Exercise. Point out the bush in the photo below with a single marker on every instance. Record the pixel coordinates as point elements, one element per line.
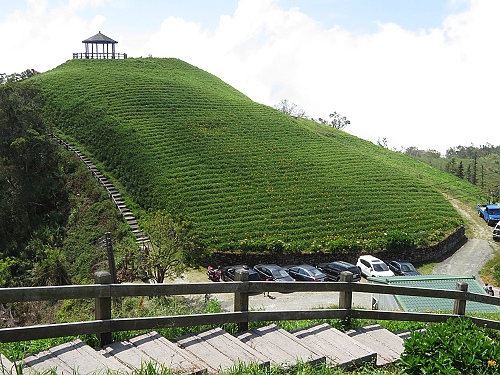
<point>397,240</point>
<point>455,347</point>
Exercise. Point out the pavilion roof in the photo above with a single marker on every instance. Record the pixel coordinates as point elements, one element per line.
<point>100,39</point>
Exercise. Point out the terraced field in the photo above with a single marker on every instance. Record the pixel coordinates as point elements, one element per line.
<point>248,176</point>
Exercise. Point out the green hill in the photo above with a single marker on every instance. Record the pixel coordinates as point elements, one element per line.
<point>247,175</point>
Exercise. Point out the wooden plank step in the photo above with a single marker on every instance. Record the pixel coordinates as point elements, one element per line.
<point>231,346</point>
<point>406,333</point>
<point>283,348</point>
<point>127,354</point>
<point>388,346</point>
<point>168,354</point>
<point>70,358</point>
<point>220,350</point>
<point>46,362</point>
<point>403,334</point>
<point>339,349</point>
<point>206,353</point>
<point>6,366</point>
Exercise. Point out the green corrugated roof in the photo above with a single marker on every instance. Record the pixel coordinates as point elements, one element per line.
<point>446,282</point>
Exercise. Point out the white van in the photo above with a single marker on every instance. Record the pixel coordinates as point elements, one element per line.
<point>496,232</point>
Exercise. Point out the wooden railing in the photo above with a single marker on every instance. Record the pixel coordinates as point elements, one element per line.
<point>104,292</point>
<point>99,55</point>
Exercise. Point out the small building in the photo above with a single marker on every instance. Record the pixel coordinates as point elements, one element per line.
<point>389,302</point>
<point>99,46</point>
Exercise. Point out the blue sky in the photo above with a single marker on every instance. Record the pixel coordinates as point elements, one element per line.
<point>420,73</point>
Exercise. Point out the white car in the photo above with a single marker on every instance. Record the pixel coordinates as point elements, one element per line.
<point>372,266</point>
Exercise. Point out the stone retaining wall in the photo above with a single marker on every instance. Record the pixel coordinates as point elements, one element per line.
<point>434,253</point>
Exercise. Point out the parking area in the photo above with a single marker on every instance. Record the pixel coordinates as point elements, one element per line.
<point>295,301</point>
<point>280,301</point>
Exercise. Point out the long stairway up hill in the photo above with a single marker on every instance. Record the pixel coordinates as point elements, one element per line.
<point>113,193</point>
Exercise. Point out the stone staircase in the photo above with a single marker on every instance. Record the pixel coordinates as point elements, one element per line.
<point>114,194</point>
<point>210,351</point>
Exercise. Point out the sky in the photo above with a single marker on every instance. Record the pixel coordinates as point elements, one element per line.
<point>410,73</point>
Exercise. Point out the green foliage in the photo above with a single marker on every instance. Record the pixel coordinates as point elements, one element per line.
<point>52,269</point>
<point>33,198</point>
<point>51,209</point>
<point>248,176</point>
<point>18,350</point>
<point>397,240</point>
<point>171,243</point>
<point>5,265</point>
<point>308,369</point>
<point>132,307</point>
<point>455,347</point>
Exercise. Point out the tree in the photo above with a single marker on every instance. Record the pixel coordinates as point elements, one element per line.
<point>290,108</point>
<point>32,187</point>
<point>336,121</point>
<point>14,77</point>
<point>382,142</point>
<point>460,170</point>
<point>171,243</point>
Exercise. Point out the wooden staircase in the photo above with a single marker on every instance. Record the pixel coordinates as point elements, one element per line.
<point>213,350</point>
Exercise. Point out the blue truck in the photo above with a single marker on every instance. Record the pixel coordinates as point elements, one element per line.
<point>489,212</point>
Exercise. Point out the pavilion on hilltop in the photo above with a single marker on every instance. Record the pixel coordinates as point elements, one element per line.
<point>99,46</point>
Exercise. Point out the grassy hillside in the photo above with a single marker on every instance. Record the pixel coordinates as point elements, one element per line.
<point>248,176</point>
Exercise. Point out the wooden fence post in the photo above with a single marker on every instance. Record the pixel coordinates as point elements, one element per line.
<point>111,257</point>
<point>459,305</point>
<point>345,296</point>
<point>241,299</point>
<point>103,306</point>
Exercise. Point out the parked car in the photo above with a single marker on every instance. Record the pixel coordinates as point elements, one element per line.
<point>228,273</point>
<point>272,272</point>
<point>305,272</point>
<point>403,268</point>
<point>372,266</point>
<point>333,270</point>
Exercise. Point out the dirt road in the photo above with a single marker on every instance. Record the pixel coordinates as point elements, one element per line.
<point>470,258</point>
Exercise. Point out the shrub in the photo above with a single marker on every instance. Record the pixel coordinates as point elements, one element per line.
<point>397,240</point>
<point>455,347</point>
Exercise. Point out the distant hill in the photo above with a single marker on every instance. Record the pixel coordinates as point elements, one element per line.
<point>248,176</point>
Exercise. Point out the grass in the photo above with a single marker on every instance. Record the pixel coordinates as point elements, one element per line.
<point>250,177</point>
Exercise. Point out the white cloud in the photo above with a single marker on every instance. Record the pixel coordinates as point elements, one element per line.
<point>434,88</point>
<point>431,89</point>
<point>41,37</point>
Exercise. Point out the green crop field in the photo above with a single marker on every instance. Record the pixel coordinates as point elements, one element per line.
<point>247,175</point>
